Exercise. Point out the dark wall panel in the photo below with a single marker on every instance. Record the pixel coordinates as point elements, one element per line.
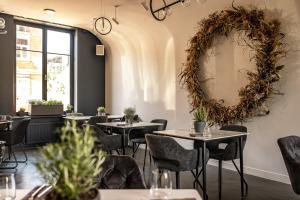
<point>7,66</point>
<point>89,73</point>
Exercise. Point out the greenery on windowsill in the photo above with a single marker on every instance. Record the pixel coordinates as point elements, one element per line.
<point>45,103</point>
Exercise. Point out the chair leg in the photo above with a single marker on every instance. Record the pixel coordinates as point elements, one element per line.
<point>133,149</point>
<point>237,169</point>
<point>11,152</point>
<point>177,180</point>
<point>145,157</point>
<point>220,179</point>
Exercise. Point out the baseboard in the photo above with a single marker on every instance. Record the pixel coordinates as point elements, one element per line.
<point>255,172</point>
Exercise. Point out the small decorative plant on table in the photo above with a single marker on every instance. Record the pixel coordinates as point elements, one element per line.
<point>101,111</point>
<point>200,116</point>
<point>71,166</point>
<point>129,114</point>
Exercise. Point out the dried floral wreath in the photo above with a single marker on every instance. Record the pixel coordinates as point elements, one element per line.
<point>264,37</point>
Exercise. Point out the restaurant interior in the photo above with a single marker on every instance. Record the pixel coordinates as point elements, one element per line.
<point>149,99</point>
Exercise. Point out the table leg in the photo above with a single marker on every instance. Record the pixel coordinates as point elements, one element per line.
<point>204,170</point>
<point>241,165</point>
<point>124,141</point>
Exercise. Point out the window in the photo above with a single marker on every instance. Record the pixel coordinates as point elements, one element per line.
<point>43,64</point>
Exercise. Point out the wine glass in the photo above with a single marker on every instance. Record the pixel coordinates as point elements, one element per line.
<point>161,186</point>
<point>7,187</point>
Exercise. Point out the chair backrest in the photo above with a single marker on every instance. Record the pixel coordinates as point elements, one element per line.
<point>97,131</point>
<point>163,148</point>
<point>17,135</point>
<point>161,121</point>
<point>97,119</point>
<point>232,147</point>
<point>120,172</point>
<point>290,150</point>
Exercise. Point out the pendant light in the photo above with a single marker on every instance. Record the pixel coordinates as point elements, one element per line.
<point>103,25</point>
<point>115,18</point>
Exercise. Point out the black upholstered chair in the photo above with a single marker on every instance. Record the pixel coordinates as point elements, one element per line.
<point>97,119</point>
<point>229,153</point>
<point>106,142</point>
<point>14,137</point>
<point>168,154</point>
<point>290,150</point>
<point>120,172</point>
<point>137,137</point>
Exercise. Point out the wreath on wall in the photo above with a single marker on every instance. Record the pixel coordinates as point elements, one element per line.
<point>264,37</point>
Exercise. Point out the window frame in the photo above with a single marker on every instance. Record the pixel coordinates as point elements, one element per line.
<point>44,52</point>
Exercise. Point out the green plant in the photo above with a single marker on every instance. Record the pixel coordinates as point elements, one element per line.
<point>69,107</point>
<point>71,165</point>
<point>46,103</point>
<point>22,109</point>
<point>101,109</point>
<point>200,114</point>
<point>130,112</point>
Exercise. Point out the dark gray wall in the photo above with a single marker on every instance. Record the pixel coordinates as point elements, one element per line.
<point>7,66</point>
<point>89,73</point>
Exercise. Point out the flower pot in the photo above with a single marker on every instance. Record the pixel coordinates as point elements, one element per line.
<point>45,109</point>
<point>199,126</point>
<point>93,194</point>
<point>129,119</point>
<point>101,114</point>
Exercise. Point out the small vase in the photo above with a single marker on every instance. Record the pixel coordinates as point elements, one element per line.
<point>129,119</point>
<point>199,126</point>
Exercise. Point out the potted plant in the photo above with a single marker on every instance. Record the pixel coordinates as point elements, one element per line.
<point>72,165</point>
<point>200,117</point>
<point>101,111</point>
<point>42,107</point>
<point>129,114</point>
<point>69,108</point>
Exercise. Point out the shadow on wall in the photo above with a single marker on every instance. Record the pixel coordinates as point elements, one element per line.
<point>141,69</point>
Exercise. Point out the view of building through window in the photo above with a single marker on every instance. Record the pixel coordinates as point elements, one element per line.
<point>30,75</point>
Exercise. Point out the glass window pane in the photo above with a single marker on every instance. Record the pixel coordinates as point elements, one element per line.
<point>58,42</point>
<point>28,78</point>
<point>29,38</point>
<point>58,78</point>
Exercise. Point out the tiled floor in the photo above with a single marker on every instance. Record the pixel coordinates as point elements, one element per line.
<point>259,189</point>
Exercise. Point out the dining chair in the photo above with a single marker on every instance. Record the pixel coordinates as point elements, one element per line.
<point>106,142</point>
<point>120,172</point>
<point>137,137</point>
<point>14,137</point>
<point>97,119</point>
<point>169,155</point>
<point>290,150</point>
<point>229,153</point>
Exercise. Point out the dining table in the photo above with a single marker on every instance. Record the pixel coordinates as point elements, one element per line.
<point>127,127</point>
<point>87,117</point>
<point>132,194</point>
<point>203,139</point>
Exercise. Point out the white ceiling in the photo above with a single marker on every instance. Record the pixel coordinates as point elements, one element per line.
<point>79,13</point>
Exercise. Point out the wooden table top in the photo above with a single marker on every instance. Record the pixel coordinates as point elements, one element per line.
<point>212,135</point>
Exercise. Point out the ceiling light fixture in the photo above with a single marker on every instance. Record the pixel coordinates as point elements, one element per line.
<point>49,11</point>
<point>164,10</point>
<point>115,18</point>
<point>2,26</point>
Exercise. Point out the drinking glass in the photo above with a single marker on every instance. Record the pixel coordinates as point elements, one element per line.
<point>161,186</point>
<point>7,187</point>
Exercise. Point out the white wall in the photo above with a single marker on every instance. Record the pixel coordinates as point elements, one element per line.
<point>146,56</point>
